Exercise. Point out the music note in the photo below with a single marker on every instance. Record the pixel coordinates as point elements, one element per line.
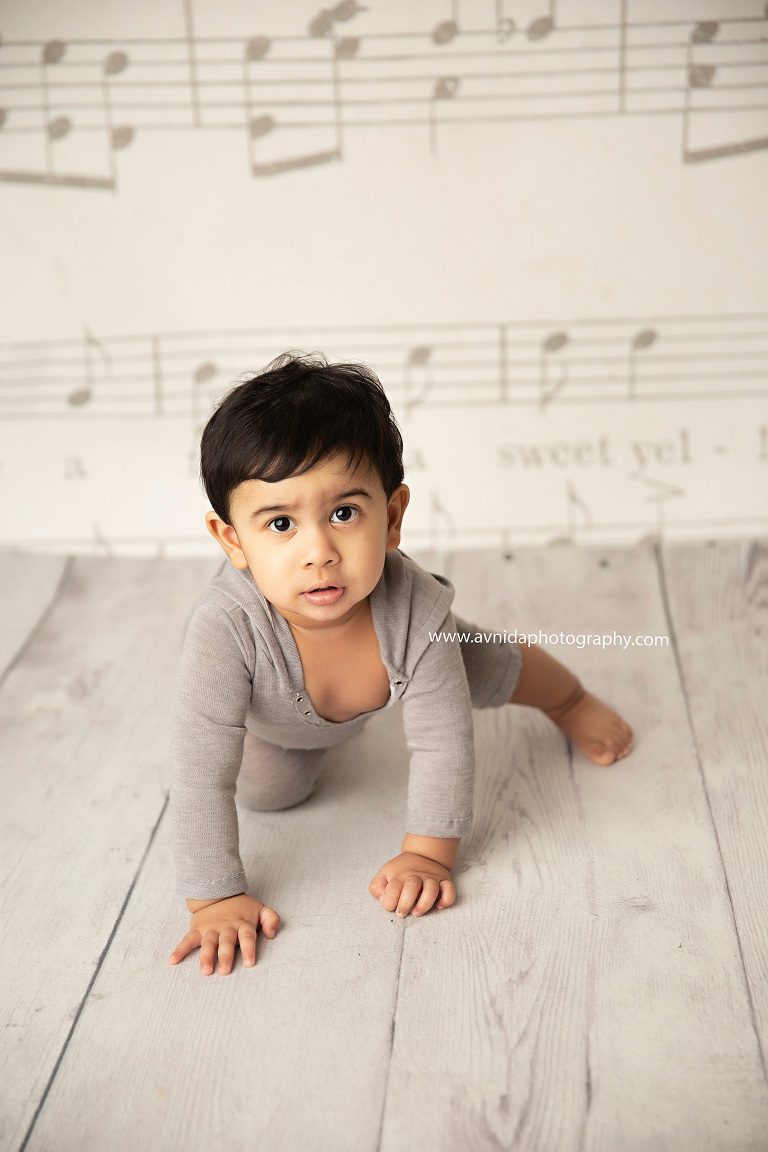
<point>505,25</point>
<point>347,47</point>
<point>417,384</point>
<point>322,24</point>
<point>701,76</point>
<point>540,28</point>
<point>100,541</point>
<point>576,507</point>
<point>203,374</point>
<point>663,491</point>
<point>265,124</point>
<point>550,346</point>
<point>640,341</point>
<point>442,531</point>
<point>445,32</point>
<point>445,88</point>
<point>84,395</point>
<point>117,136</point>
<point>58,128</point>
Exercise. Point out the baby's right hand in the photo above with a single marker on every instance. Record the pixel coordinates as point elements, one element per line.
<point>220,926</point>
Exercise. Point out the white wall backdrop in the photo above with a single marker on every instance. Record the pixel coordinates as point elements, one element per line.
<point>543,222</point>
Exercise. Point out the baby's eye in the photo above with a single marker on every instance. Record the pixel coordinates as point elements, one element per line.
<point>344,514</point>
<point>282,524</point>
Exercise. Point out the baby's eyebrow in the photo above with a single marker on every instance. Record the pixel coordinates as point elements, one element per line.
<point>293,507</point>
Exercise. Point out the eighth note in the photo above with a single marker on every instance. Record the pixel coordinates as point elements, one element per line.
<point>552,344</point>
<point>82,396</point>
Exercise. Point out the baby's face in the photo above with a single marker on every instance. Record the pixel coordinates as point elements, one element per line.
<point>315,544</point>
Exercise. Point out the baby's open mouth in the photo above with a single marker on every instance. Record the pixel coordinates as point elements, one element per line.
<point>324,594</point>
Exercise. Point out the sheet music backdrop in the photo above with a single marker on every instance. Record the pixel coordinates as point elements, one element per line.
<point>543,223</point>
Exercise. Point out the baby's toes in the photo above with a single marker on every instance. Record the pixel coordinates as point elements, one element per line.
<point>598,752</point>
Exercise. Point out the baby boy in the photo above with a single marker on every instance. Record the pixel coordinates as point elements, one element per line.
<point>314,622</point>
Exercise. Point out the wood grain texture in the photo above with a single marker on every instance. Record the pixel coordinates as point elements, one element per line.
<point>587,991</point>
<point>287,1055</point>
<point>718,598</point>
<point>83,771</point>
<point>28,586</point>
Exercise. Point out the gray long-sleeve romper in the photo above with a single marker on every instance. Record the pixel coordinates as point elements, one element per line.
<point>242,718</point>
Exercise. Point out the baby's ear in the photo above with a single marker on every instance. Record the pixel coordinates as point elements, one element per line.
<point>398,502</point>
<point>226,536</point>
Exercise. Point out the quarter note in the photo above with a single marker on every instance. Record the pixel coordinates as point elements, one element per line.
<point>418,376</point>
<point>445,88</point>
<point>203,374</point>
<point>445,32</point>
<point>442,532</point>
<point>643,339</point>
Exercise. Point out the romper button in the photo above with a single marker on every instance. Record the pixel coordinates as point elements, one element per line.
<point>398,681</point>
<point>307,713</point>
<point>299,699</point>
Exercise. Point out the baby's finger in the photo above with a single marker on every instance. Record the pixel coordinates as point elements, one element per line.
<point>429,893</point>
<point>408,897</point>
<point>392,895</point>
<point>270,921</point>
<point>208,951</point>
<point>247,936</point>
<point>377,885</point>
<point>447,894</point>
<point>227,941</point>
<point>188,944</point>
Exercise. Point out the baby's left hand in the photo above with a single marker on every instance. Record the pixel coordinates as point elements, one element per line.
<point>398,884</point>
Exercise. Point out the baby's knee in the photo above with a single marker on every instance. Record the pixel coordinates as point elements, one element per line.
<point>258,800</point>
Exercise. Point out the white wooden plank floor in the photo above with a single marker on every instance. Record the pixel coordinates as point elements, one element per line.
<point>600,984</point>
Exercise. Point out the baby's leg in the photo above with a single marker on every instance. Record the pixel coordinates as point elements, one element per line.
<point>545,683</point>
<point>499,672</point>
<point>272,778</point>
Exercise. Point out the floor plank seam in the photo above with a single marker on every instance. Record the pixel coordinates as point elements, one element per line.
<point>94,977</point>
<point>392,1027</point>
<point>44,616</point>
<point>681,676</point>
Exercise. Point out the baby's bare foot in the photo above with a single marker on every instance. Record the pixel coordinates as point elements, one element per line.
<point>596,730</point>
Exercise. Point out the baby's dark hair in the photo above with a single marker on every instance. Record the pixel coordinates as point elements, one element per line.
<point>294,413</point>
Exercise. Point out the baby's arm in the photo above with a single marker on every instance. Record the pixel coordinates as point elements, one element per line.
<point>419,877</point>
<point>213,693</point>
<point>437,719</point>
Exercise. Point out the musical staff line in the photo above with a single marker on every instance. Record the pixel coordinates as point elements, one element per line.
<point>536,364</point>
<point>295,98</point>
